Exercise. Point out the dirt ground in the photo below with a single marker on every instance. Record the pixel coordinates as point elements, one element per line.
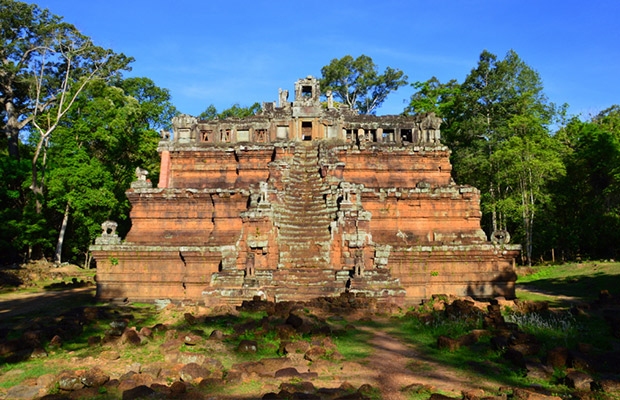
<point>391,366</point>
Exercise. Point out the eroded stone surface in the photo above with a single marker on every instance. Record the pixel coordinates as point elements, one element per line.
<point>304,201</point>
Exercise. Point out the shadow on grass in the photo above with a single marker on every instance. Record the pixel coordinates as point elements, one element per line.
<point>582,287</point>
<point>39,304</point>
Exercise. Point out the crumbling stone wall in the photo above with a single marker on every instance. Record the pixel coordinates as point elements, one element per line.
<point>302,201</point>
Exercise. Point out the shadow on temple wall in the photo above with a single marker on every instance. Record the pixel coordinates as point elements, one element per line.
<point>502,285</point>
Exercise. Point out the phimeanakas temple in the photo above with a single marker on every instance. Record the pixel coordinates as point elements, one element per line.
<point>302,200</point>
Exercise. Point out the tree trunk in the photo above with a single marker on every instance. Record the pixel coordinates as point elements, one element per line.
<point>87,260</point>
<point>61,235</point>
<point>13,145</point>
<point>12,127</point>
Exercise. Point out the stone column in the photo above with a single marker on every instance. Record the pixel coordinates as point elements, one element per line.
<point>164,172</point>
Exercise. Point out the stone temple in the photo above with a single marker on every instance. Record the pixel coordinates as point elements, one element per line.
<point>304,199</point>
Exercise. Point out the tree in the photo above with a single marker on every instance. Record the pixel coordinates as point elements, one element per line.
<point>358,84</point>
<point>109,131</point>
<point>529,160</point>
<point>587,199</point>
<point>44,65</point>
<point>433,96</point>
<point>497,124</point>
<point>235,111</point>
<point>492,95</point>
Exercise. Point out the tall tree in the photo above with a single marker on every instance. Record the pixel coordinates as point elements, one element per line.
<point>358,84</point>
<point>95,151</point>
<point>492,95</point>
<point>497,124</point>
<point>44,65</point>
<point>587,199</point>
<point>529,160</point>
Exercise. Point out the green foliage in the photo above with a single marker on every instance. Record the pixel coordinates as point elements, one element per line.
<point>358,84</point>
<point>587,199</point>
<point>433,96</point>
<point>497,123</point>
<point>235,111</point>
<point>41,61</point>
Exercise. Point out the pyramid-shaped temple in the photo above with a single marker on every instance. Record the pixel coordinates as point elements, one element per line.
<point>304,199</point>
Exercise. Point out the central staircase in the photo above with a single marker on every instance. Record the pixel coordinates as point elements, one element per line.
<point>303,216</point>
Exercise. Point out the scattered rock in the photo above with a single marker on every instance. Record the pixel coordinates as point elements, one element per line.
<point>527,349</point>
<point>439,396</point>
<point>69,381</point>
<point>234,376</point>
<point>38,352</point>
<point>190,319</point>
<point>525,394</point>
<point>55,342</point>
<point>578,380</point>
<point>537,370</point>
<point>138,392</point>
<point>288,372</point>
<point>445,342</point>
<point>84,393</point>
<point>159,328</point>
<point>177,388</point>
<point>94,341</point>
<point>131,337</point>
<point>191,339</point>
<point>192,372</point>
<point>301,387</point>
<point>247,346</point>
<point>315,353</point>
<point>557,357</point>
<point>23,392</point>
<point>515,357</point>
<point>94,377</point>
<point>110,355</point>
<point>610,385</point>
<point>146,332</point>
<point>216,335</point>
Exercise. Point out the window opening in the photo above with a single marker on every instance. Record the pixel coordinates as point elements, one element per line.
<point>261,135</point>
<point>406,135</point>
<point>206,136</point>
<point>306,130</point>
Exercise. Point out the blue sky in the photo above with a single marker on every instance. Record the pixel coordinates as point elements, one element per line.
<point>228,52</point>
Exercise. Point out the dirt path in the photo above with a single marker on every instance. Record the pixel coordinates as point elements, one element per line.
<point>398,365</point>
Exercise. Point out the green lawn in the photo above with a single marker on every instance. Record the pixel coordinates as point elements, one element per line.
<point>583,281</point>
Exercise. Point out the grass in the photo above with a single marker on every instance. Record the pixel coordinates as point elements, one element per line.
<point>534,296</point>
<point>353,344</point>
<point>561,328</point>
<point>583,281</point>
<point>17,373</point>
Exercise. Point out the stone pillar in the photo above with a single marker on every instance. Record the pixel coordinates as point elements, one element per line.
<point>164,172</point>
